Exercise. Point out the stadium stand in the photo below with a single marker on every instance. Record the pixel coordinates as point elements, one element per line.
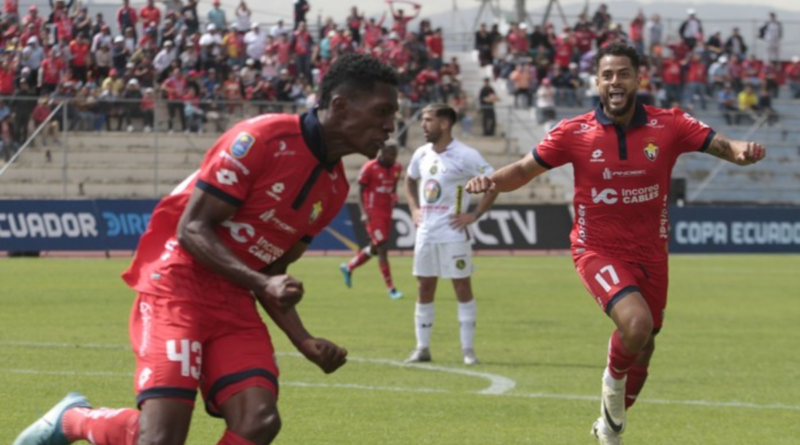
<point>175,80</point>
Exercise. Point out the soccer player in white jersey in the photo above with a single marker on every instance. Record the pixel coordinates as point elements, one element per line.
<point>435,182</point>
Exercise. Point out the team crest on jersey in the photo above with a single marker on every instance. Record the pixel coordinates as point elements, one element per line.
<point>242,145</point>
<point>316,210</point>
<point>433,191</point>
<point>651,151</point>
<point>434,169</point>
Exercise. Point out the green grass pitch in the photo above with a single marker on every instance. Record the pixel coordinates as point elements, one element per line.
<point>726,369</point>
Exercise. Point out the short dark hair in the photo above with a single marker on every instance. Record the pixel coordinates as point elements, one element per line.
<point>618,49</point>
<point>357,71</point>
<point>442,110</point>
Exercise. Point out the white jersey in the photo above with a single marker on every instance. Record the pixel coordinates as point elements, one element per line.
<point>441,178</point>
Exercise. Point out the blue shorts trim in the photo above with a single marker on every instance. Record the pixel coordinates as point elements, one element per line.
<point>230,379</point>
<point>618,296</point>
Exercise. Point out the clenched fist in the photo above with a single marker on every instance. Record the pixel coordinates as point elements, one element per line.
<point>325,354</point>
<point>283,290</point>
<point>480,184</point>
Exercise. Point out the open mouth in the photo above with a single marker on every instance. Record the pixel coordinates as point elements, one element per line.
<point>616,97</point>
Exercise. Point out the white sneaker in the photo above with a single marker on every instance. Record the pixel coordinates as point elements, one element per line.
<point>469,357</point>
<point>603,435</point>
<point>612,403</point>
<point>419,355</point>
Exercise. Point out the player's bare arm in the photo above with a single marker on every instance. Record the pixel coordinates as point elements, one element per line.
<point>196,234</point>
<point>463,220</point>
<point>738,152</point>
<point>412,199</point>
<point>508,178</point>
<point>325,354</point>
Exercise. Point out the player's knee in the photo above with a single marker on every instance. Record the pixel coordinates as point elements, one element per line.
<point>260,425</point>
<point>637,333</point>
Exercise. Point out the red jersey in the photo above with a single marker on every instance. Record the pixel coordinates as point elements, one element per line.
<point>696,72</point>
<point>622,177</point>
<point>379,186</point>
<point>270,167</point>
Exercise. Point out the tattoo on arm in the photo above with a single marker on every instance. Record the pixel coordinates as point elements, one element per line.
<point>721,147</point>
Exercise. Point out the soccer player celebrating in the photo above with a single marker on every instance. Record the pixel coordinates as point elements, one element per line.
<point>435,182</point>
<point>622,154</point>
<point>220,242</point>
<point>378,195</point>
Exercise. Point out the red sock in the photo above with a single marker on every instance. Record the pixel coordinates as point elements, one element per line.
<point>386,271</point>
<point>102,426</point>
<point>619,359</point>
<point>633,386</point>
<point>361,258</point>
<point>231,438</point>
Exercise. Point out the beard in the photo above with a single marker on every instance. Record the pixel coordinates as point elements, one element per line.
<point>433,137</point>
<point>621,111</point>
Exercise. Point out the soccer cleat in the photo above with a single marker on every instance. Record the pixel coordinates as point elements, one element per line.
<point>419,355</point>
<point>469,357</point>
<point>395,294</point>
<point>47,430</point>
<point>612,403</point>
<point>348,275</point>
<point>603,435</point>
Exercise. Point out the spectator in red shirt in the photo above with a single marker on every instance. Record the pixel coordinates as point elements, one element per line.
<point>373,32</point>
<point>564,48</point>
<point>126,17</point>
<point>150,14</point>
<point>636,32</point>
<point>696,81</point>
<point>174,87</point>
<point>354,21</point>
<point>792,73</point>
<point>50,72</point>
<point>283,49</point>
<point>435,46</point>
<point>7,74</point>
<point>671,75</point>
<point>79,49</point>
<point>302,45</point>
<point>518,41</point>
<point>33,18</point>
<point>401,20</point>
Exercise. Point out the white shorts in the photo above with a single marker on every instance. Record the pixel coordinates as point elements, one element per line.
<point>443,260</point>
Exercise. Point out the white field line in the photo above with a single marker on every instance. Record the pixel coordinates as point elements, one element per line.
<point>499,385</point>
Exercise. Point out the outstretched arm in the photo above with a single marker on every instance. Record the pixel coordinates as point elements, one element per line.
<point>508,178</point>
<point>737,152</point>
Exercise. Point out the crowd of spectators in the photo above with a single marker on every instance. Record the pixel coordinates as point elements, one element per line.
<point>549,68</point>
<point>114,73</point>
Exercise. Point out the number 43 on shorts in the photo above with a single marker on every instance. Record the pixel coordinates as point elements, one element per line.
<point>188,354</point>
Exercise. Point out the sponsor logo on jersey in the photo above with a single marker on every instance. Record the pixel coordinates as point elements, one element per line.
<point>275,191</point>
<point>629,196</point>
<point>236,163</point>
<point>609,174</point>
<point>432,191</point>
<point>236,230</point>
<point>316,210</point>
<point>226,177</point>
<point>597,156</point>
<point>269,217</point>
<point>265,251</point>
<point>585,128</point>
<point>654,124</point>
<point>282,151</point>
<point>241,146</point>
<point>651,151</point>
<point>608,196</point>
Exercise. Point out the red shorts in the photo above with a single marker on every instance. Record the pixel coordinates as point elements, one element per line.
<point>608,280</point>
<point>181,345</point>
<point>379,227</point>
